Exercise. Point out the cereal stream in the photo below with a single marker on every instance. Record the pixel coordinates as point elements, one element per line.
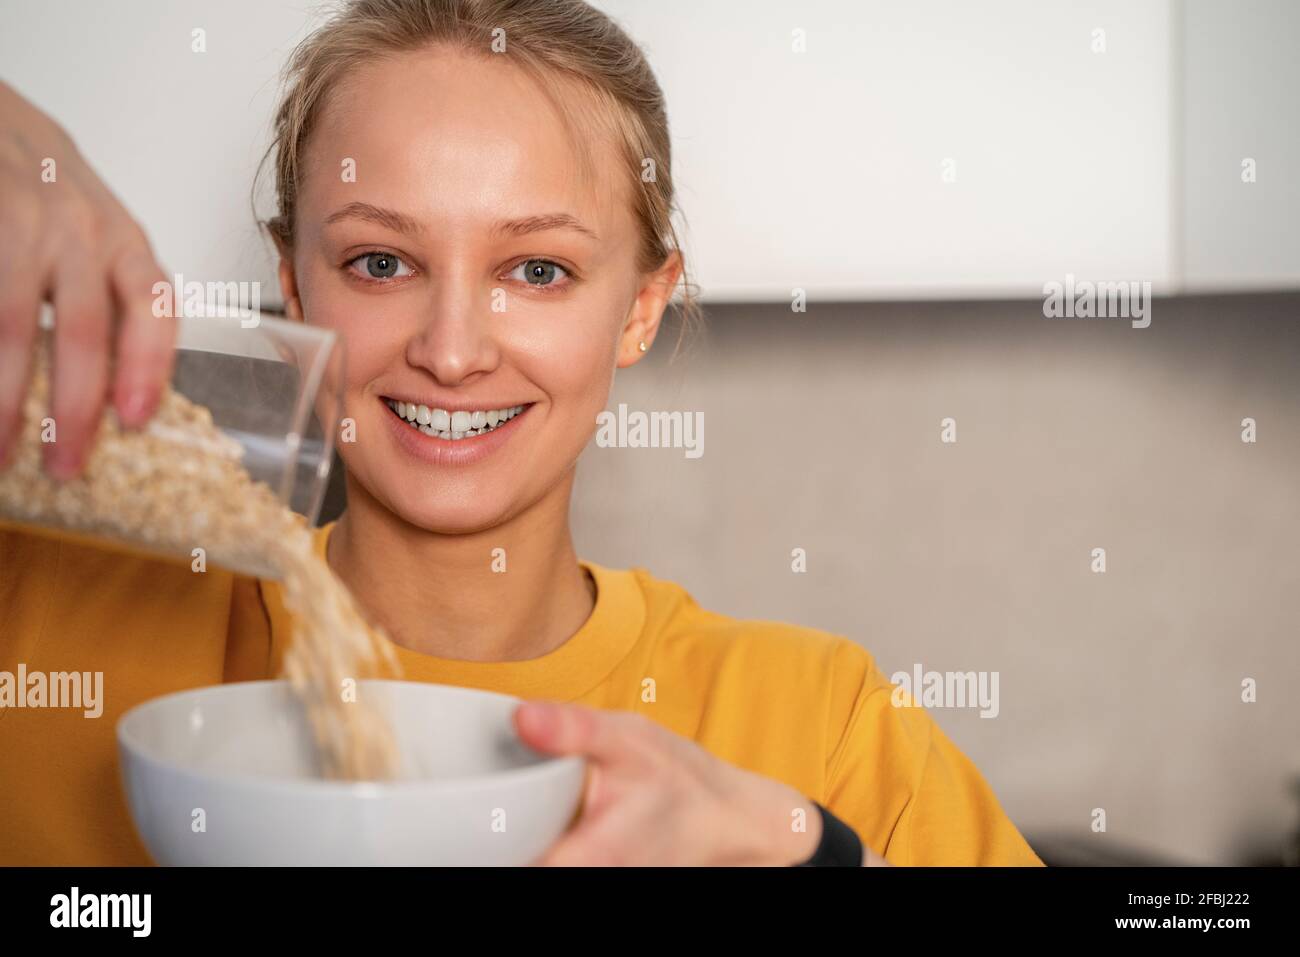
<point>178,484</point>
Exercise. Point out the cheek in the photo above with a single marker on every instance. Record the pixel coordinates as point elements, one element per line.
<point>571,359</point>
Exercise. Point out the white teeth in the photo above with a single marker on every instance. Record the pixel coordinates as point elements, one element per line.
<point>452,425</point>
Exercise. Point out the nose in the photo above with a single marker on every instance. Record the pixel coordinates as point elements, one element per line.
<point>455,341</point>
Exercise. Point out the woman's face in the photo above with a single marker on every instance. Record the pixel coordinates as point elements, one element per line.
<point>443,229</point>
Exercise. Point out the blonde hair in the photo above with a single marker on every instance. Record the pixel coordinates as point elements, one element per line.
<point>554,41</point>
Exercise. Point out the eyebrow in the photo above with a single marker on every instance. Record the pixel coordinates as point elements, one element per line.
<point>388,218</point>
<point>537,224</point>
<point>401,223</point>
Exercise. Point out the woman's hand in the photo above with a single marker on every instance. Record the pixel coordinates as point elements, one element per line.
<point>65,238</point>
<point>655,798</point>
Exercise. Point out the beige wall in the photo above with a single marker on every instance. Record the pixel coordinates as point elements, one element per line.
<point>1118,690</point>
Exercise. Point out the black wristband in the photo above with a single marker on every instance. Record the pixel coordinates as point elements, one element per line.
<point>840,845</point>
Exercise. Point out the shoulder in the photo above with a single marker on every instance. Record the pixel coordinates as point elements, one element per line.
<point>830,663</point>
<point>672,611</point>
<point>55,567</point>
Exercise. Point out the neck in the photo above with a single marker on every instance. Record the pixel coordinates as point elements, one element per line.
<point>440,595</point>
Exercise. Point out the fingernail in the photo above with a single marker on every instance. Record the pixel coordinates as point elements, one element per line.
<point>541,716</point>
<point>134,409</point>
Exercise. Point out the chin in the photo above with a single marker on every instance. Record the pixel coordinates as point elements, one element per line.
<point>451,515</point>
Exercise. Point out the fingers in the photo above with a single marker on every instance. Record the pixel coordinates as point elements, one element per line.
<point>598,841</point>
<point>650,795</point>
<point>20,301</point>
<point>559,729</point>
<point>552,728</point>
<point>64,237</point>
<point>579,848</point>
<point>82,320</point>
<point>145,341</point>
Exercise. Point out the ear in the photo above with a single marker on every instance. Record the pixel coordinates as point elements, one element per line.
<point>648,310</point>
<point>288,283</point>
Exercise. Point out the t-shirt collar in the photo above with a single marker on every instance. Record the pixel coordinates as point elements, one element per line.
<point>566,673</point>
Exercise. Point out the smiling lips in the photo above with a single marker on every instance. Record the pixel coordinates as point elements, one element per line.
<point>442,424</point>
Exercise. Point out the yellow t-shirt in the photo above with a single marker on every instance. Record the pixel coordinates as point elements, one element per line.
<point>796,704</point>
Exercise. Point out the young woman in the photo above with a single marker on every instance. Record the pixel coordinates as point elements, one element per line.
<point>498,247</point>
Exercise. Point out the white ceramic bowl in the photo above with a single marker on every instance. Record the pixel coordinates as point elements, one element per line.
<point>239,760</point>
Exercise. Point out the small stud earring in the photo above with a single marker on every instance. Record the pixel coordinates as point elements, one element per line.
<point>642,346</point>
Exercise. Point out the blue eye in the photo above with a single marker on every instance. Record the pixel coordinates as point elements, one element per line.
<point>381,266</point>
<point>539,272</point>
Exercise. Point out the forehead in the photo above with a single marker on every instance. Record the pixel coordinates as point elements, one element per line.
<point>448,137</point>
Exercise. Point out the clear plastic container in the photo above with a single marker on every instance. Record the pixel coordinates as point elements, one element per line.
<point>276,389</point>
<point>273,389</point>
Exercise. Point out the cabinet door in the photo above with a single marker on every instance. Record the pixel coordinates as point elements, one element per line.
<point>1241,145</point>
<point>943,148</point>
